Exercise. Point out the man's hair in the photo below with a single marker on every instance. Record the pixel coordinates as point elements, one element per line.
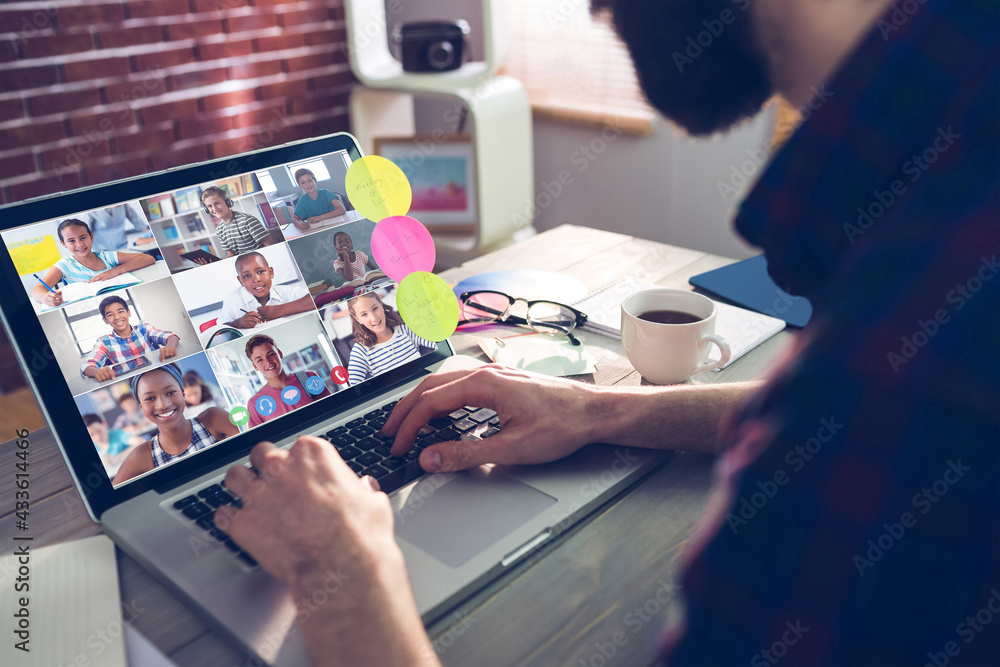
<point>90,419</point>
<point>214,190</point>
<point>110,300</point>
<point>71,222</point>
<point>702,88</point>
<point>363,334</point>
<point>259,339</point>
<point>345,234</point>
<point>248,255</point>
<point>303,172</point>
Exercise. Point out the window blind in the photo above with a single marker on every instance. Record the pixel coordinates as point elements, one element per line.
<point>574,67</point>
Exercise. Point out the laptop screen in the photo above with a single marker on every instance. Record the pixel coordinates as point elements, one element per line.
<point>180,318</point>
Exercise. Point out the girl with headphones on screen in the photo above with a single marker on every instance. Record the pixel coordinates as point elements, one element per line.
<point>83,265</point>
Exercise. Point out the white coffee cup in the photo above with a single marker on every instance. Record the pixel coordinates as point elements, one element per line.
<point>670,353</point>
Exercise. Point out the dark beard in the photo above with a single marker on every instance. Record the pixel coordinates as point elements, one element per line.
<point>697,60</point>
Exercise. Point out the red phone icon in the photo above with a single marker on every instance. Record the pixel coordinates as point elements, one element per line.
<point>339,375</point>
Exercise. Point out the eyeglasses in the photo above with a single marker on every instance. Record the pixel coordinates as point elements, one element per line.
<point>547,317</point>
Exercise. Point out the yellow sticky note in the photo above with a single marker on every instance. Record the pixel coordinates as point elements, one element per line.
<point>427,305</point>
<point>378,188</point>
<point>34,255</point>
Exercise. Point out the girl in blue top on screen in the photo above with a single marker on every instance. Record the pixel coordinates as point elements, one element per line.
<point>317,204</point>
<point>381,340</point>
<point>84,265</point>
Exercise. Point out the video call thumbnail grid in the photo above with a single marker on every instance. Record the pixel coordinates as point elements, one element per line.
<point>162,329</point>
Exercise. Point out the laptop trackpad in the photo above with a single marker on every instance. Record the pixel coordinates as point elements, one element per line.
<point>475,509</point>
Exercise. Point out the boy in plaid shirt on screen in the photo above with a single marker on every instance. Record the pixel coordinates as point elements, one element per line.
<point>125,342</point>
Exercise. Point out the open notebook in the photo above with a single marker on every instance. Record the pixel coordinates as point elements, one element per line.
<point>80,291</point>
<point>743,329</point>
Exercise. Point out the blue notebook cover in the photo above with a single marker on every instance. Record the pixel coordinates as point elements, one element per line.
<point>747,284</point>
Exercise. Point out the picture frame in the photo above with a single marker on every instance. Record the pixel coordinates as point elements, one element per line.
<point>442,173</point>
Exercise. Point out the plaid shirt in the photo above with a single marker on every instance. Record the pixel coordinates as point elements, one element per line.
<point>201,438</point>
<point>857,516</point>
<point>113,349</point>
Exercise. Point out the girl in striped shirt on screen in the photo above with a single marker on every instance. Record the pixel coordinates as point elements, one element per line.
<point>381,340</point>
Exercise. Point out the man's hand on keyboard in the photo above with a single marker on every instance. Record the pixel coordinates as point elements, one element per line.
<point>313,524</point>
<point>542,418</point>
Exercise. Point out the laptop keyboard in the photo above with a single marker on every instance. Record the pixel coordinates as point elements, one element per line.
<point>365,450</point>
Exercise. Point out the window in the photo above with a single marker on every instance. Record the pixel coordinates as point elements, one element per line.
<point>266,182</point>
<point>574,66</point>
<point>87,324</point>
<point>316,166</point>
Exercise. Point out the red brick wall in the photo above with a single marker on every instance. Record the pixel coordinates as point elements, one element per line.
<point>96,90</point>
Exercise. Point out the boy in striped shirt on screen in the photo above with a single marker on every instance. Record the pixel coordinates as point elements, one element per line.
<point>381,340</point>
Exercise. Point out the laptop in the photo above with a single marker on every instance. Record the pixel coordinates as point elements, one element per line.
<point>458,531</point>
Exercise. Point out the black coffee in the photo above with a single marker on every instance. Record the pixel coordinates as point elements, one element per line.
<point>669,317</point>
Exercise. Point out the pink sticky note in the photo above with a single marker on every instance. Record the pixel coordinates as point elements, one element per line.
<point>402,245</point>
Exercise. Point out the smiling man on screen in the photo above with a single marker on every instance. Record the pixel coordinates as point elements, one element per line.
<point>875,444</point>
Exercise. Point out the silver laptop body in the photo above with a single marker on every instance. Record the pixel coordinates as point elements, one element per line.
<point>457,531</point>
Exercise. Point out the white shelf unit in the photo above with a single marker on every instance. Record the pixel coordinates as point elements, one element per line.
<point>499,121</point>
<point>375,66</point>
<point>236,378</point>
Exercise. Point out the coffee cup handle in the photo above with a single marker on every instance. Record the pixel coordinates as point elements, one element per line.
<point>723,348</point>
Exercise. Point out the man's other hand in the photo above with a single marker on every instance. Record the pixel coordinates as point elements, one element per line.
<point>542,418</point>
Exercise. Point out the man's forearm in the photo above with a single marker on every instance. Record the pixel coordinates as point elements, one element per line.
<point>680,417</point>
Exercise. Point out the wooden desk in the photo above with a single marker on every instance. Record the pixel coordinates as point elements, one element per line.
<point>607,583</point>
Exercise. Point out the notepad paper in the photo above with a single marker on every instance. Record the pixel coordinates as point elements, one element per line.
<point>70,601</point>
<point>79,291</point>
<point>743,329</point>
<point>539,353</point>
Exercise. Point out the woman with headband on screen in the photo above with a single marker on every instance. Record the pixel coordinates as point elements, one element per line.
<point>160,393</point>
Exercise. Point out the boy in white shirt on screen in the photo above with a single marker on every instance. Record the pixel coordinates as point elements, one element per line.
<point>259,300</point>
